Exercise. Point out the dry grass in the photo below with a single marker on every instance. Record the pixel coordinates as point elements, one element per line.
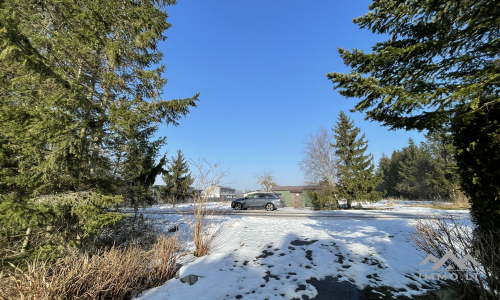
<point>460,199</point>
<point>451,205</point>
<point>438,236</point>
<point>205,220</point>
<point>111,274</point>
<point>442,205</point>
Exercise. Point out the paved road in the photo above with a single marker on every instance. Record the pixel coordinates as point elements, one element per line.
<point>342,214</point>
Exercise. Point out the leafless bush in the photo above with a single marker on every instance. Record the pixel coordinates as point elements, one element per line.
<point>437,236</point>
<point>111,274</point>
<point>205,220</point>
<point>459,198</point>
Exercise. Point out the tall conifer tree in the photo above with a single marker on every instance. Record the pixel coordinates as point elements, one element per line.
<point>177,180</point>
<point>414,167</point>
<point>438,66</point>
<point>80,102</point>
<point>383,170</point>
<point>357,179</point>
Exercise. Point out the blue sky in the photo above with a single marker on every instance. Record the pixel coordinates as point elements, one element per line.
<point>260,68</point>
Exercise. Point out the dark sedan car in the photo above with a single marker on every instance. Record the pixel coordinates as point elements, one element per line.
<point>269,201</point>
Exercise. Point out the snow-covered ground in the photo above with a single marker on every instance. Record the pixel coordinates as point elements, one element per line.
<point>283,258</point>
<point>185,207</point>
<point>403,206</point>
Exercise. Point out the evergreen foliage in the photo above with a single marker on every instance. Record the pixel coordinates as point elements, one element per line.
<point>356,177</point>
<point>325,198</point>
<point>414,168</point>
<point>322,199</point>
<point>177,180</point>
<point>444,178</point>
<point>427,171</point>
<point>387,171</point>
<point>478,158</point>
<point>80,102</point>
<point>438,67</point>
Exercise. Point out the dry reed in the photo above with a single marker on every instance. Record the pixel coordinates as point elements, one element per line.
<point>207,226</point>
<point>111,274</point>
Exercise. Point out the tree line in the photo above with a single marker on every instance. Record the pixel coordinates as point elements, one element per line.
<point>426,171</point>
<point>338,161</point>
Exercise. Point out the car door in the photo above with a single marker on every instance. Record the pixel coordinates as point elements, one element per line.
<point>261,200</point>
<point>250,201</point>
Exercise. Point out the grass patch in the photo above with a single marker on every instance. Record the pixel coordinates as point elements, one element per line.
<point>450,206</point>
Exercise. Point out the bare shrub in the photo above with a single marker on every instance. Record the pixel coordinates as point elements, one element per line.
<point>459,198</point>
<point>136,229</point>
<point>208,227</point>
<point>111,274</point>
<point>437,236</point>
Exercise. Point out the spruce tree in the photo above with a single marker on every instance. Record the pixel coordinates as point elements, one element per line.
<point>438,66</point>
<point>80,102</point>
<point>444,179</point>
<point>356,177</point>
<point>414,169</point>
<point>388,170</point>
<point>383,169</point>
<point>425,171</point>
<point>478,159</point>
<point>177,180</point>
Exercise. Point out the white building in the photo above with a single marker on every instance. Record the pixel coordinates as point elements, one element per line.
<point>220,192</point>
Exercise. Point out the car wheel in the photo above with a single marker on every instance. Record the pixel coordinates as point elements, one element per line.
<point>238,206</point>
<point>269,207</point>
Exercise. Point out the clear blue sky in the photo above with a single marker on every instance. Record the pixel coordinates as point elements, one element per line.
<point>260,68</point>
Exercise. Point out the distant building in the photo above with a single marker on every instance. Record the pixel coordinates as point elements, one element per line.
<point>295,196</point>
<point>220,192</point>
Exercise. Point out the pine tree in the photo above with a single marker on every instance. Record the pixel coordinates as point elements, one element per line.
<point>177,179</point>
<point>438,66</point>
<point>425,171</point>
<point>80,103</point>
<point>478,159</point>
<point>383,169</point>
<point>389,171</point>
<point>414,169</point>
<point>357,180</point>
<point>444,179</point>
